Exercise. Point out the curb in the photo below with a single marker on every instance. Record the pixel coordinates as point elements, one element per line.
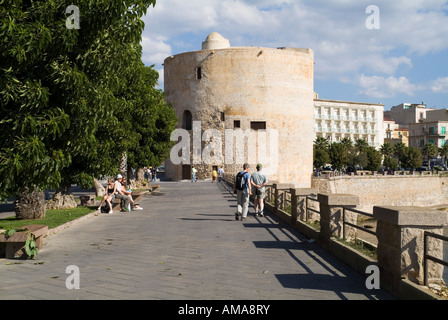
<point>70,223</point>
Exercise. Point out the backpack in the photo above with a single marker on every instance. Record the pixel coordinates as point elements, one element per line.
<point>240,181</point>
<point>105,208</point>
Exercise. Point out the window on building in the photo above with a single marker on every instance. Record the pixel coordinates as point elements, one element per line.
<point>223,116</point>
<point>431,130</point>
<point>258,125</point>
<point>236,123</point>
<point>422,115</point>
<point>443,130</point>
<point>443,142</point>
<point>187,121</point>
<point>431,141</point>
<point>199,73</point>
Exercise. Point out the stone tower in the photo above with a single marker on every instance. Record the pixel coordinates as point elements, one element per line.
<point>242,104</point>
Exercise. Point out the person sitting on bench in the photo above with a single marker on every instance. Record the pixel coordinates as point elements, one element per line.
<point>128,192</point>
<point>110,195</point>
<point>119,194</point>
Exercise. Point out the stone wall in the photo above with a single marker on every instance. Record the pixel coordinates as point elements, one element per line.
<point>426,191</point>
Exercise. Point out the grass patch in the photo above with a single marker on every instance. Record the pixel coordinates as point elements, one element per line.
<point>313,224</point>
<point>361,246</point>
<point>53,218</point>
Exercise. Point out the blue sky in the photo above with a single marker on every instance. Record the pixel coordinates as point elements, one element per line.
<point>403,60</point>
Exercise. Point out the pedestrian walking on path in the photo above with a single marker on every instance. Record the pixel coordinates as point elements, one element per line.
<point>220,173</point>
<point>259,180</point>
<point>242,187</point>
<point>193,174</point>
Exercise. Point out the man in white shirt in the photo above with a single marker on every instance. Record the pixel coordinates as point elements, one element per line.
<point>120,195</point>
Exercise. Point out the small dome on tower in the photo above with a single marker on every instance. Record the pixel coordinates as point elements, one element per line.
<point>215,41</point>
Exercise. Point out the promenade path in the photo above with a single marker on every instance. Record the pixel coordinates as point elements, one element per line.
<point>184,245</point>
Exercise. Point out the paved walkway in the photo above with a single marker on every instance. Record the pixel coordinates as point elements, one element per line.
<point>184,245</point>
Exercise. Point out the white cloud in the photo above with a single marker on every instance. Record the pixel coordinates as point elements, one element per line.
<point>155,51</point>
<point>386,87</point>
<point>161,81</point>
<point>336,31</point>
<point>440,85</point>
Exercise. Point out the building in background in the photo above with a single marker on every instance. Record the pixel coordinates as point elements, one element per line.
<point>424,125</point>
<point>336,120</point>
<point>393,134</point>
<point>407,113</point>
<point>434,132</point>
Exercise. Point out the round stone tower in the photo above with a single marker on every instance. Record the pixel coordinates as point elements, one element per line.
<point>242,104</point>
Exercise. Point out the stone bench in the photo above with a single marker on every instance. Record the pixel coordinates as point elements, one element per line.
<point>87,200</point>
<point>151,188</point>
<point>136,196</point>
<point>14,246</point>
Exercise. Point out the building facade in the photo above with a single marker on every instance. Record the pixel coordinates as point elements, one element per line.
<point>336,120</point>
<point>424,125</point>
<point>435,132</point>
<point>394,134</point>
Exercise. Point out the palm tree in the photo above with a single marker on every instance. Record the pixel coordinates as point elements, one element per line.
<point>430,151</point>
<point>347,142</point>
<point>444,153</point>
<point>361,144</point>
<point>387,150</point>
<point>400,152</point>
<point>321,142</point>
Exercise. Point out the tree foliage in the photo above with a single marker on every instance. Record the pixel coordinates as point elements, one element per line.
<point>73,100</point>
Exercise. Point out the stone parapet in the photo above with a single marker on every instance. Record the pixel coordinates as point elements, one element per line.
<point>280,190</point>
<point>400,233</point>
<point>331,215</point>
<point>298,203</point>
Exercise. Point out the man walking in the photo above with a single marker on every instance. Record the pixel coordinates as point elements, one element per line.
<point>220,173</point>
<point>259,180</point>
<point>193,174</point>
<point>242,187</point>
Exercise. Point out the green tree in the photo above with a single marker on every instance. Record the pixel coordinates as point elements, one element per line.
<point>347,142</point>
<point>320,157</point>
<point>338,155</point>
<point>390,163</point>
<point>444,153</point>
<point>400,152</point>
<point>374,158</point>
<point>430,151</point>
<point>151,119</point>
<point>361,145</point>
<point>321,142</point>
<point>320,152</point>
<point>59,86</point>
<point>387,150</point>
<point>412,158</point>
